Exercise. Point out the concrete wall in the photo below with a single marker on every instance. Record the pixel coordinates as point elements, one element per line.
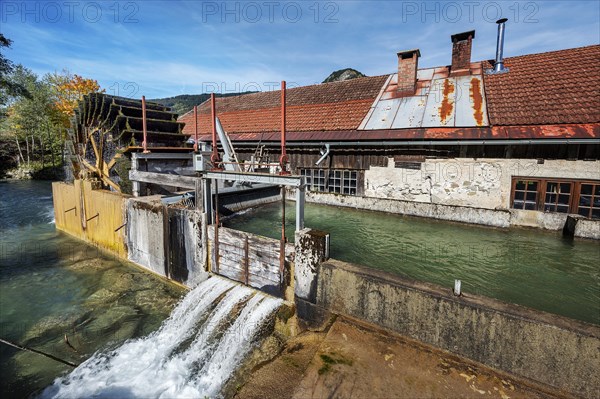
<point>488,217</point>
<point>549,349</point>
<point>480,183</point>
<point>588,229</point>
<point>465,214</point>
<point>91,215</point>
<point>167,241</point>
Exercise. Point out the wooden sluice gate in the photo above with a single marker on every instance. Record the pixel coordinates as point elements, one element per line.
<point>250,259</point>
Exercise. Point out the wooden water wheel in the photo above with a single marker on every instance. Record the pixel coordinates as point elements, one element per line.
<point>106,129</point>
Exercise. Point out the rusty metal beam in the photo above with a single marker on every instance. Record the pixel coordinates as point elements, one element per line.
<point>195,128</point>
<point>144,126</point>
<point>215,159</point>
<point>283,158</point>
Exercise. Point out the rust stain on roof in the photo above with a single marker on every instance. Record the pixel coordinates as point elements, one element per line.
<point>477,101</point>
<point>447,107</point>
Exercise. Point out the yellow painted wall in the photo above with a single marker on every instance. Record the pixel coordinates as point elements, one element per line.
<point>88,202</point>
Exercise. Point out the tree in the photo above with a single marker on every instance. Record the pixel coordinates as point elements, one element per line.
<point>9,89</point>
<point>34,113</point>
<point>69,89</point>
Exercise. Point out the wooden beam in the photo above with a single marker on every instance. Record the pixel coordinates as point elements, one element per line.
<point>187,182</point>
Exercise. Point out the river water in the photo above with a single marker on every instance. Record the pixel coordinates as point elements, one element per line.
<point>534,268</point>
<point>52,285</point>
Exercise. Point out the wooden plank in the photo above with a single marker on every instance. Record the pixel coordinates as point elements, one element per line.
<point>267,270</point>
<point>163,178</point>
<point>254,280</point>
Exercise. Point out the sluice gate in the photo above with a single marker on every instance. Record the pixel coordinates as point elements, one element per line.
<point>250,259</point>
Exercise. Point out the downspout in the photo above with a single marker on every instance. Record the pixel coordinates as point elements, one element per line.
<point>324,154</point>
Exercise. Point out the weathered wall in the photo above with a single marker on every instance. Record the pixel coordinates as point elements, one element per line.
<point>488,217</point>
<point>588,229</point>
<point>145,234</point>
<point>167,241</point>
<point>480,183</point>
<point>91,215</point>
<point>186,251</point>
<point>498,218</point>
<point>559,352</point>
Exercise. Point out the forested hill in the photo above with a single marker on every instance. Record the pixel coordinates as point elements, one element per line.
<point>185,102</point>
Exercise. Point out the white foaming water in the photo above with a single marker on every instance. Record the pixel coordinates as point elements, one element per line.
<point>192,354</point>
<point>49,214</point>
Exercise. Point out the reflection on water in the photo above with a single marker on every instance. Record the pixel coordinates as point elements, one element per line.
<point>61,296</point>
<point>533,268</point>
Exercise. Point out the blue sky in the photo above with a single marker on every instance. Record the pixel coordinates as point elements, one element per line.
<point>166,48</point>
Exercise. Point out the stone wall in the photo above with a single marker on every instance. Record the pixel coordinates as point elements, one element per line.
<point>561,353</point>
<point>487,217</point>
<point>483,183</point>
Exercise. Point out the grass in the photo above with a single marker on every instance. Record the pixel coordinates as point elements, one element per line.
<point>328,361</point>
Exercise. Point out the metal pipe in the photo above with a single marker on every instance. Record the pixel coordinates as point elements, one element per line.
<point>144,128</point>
<point>283,157</point>
<point>499,62</point>
<point>195,128</point>
<point>325,154</point>
<point>282,242</point>
<point>93,217</point>
<point>216,226</point>
<point>120,227</point>
<point>215,159</point>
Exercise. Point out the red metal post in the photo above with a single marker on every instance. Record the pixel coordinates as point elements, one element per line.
<point>283,157</point>
<point>145,143</point>
<point>195,128</point>
<point>215,159</point>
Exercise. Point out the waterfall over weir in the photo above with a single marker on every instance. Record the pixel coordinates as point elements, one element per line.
<point>192,354</point>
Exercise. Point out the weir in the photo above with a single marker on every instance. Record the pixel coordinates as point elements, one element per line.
<point>193,354</point>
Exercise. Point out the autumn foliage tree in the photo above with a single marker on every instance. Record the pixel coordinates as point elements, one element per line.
<point>69,89</point>
<point>35,113</point>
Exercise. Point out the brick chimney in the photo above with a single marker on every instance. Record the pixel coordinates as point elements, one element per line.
<point>461,53</point>
<point>408,62</point>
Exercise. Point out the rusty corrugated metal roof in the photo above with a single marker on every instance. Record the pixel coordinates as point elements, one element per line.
<point>440,101</point>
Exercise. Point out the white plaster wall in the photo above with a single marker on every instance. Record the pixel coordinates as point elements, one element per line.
<point>481,183</point>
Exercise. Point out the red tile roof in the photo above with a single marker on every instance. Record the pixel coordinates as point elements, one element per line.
<point>327,106</point>
<point>555,91</point>
<point>557,87</point>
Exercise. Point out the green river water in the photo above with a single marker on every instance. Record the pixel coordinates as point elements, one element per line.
<point>534,268</point>
<point>52,285</point>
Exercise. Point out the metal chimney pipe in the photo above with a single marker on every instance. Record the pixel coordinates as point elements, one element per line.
<point>499,63</point>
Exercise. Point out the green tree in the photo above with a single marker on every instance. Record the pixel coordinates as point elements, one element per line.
<point>9,89</point>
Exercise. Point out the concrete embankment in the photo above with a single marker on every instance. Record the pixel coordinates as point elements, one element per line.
<point>561,353</point>
<point>586,228</point>
<point>354,360</point>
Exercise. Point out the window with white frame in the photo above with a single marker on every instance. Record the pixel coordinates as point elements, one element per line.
<point>341,181</point>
